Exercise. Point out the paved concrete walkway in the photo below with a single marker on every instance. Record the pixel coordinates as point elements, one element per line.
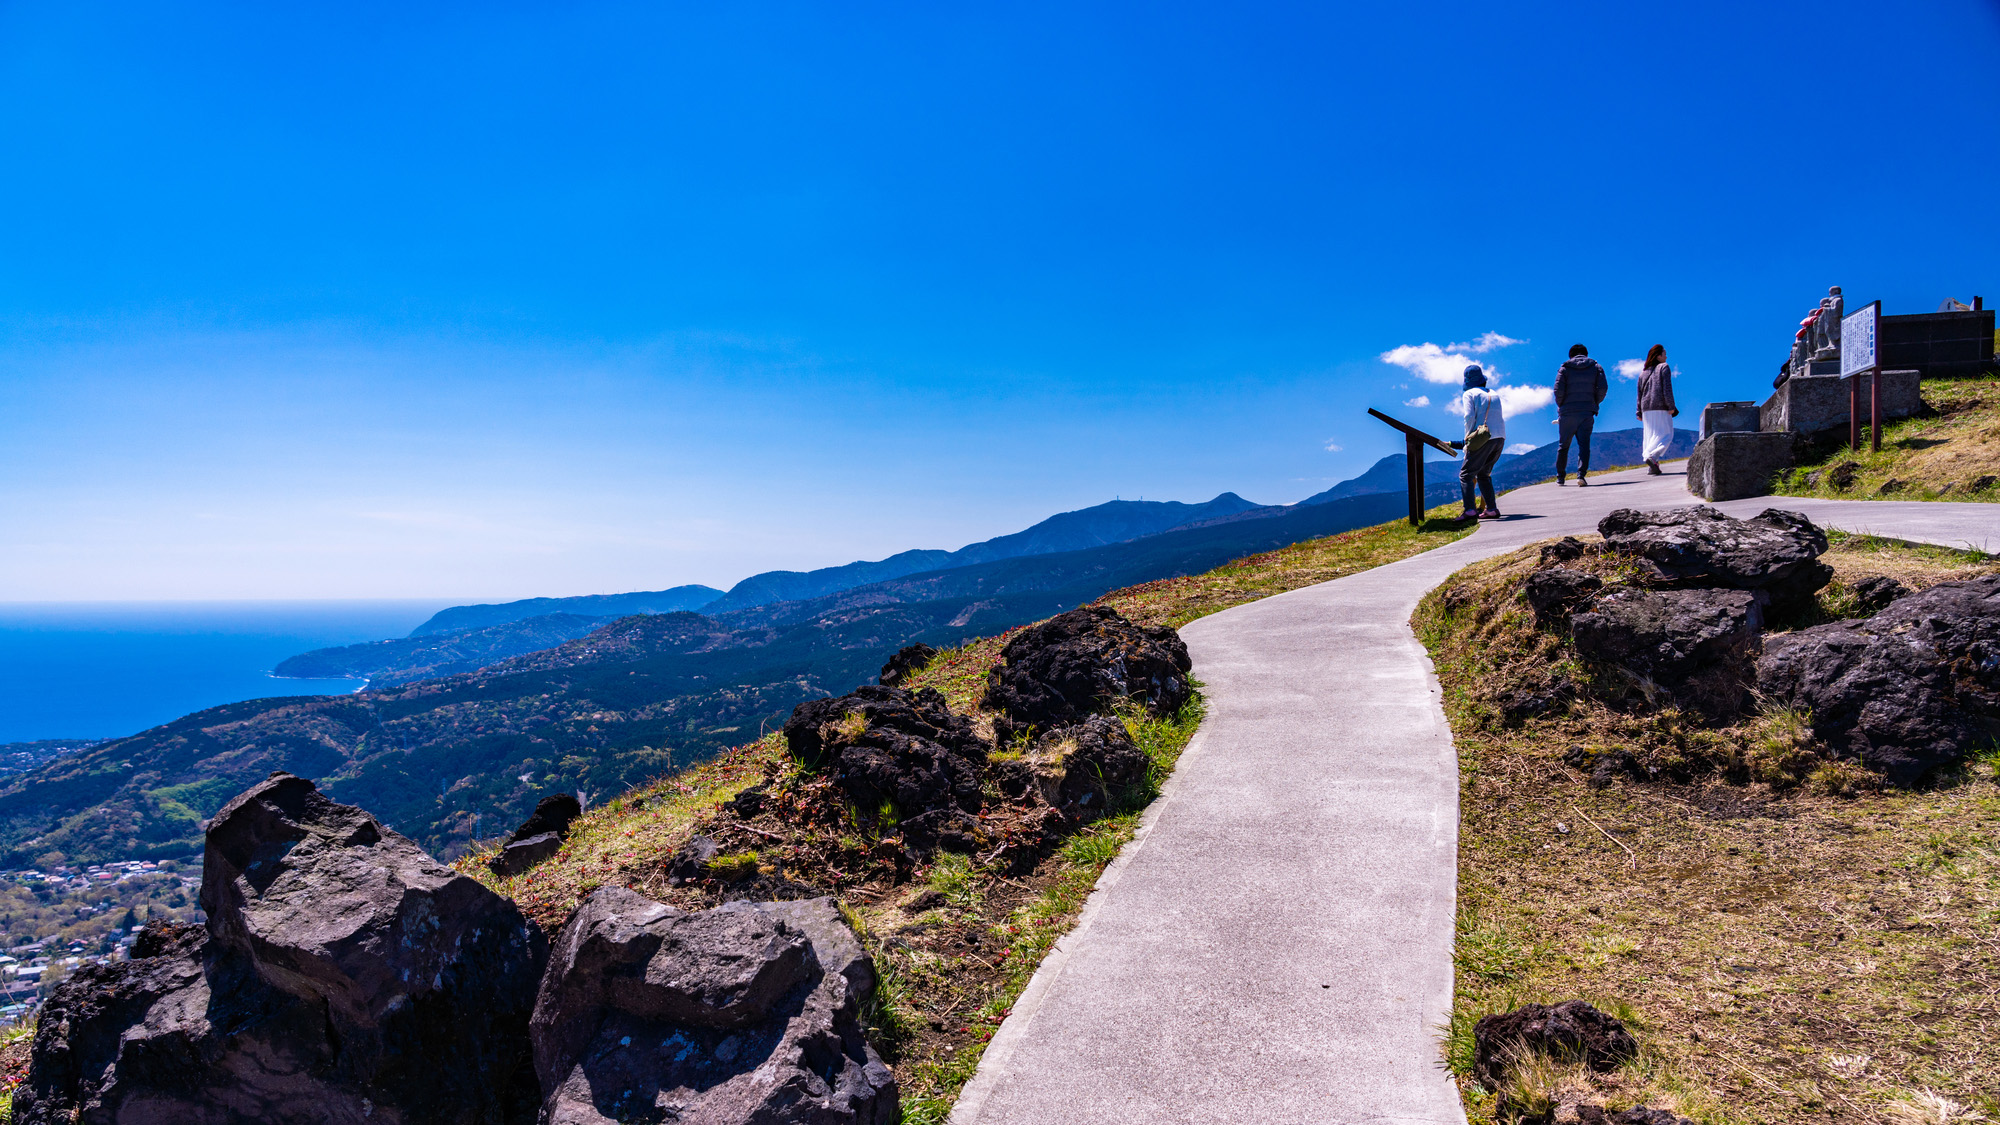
<point>1275,946</point>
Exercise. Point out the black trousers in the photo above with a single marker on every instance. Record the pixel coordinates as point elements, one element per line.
<point>1578,427</point>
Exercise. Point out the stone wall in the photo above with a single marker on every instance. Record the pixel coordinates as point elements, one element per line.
<point>1815,404</point>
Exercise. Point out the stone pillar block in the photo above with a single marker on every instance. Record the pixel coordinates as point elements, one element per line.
<point>1734,464</point>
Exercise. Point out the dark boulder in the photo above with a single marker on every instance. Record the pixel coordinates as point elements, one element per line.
<point>690,861</point>
<point>1554,592</point>
<point>1666,635</point>
<point>1567,549</point>
<point>521,855</point>
<point>1572,1031</point>
<point>1776,551</point>
<point>99,1045</point>
<point>1903,691</point>
<point>908,659</point>
<point>749,802</point>
<point>743,1013</point>
<point>1076,664</point>
<point>552,816</point>
<point>887,746</point>
<point>1873,593</point>
<point>952,830</point>
<point>344,976</point>
<point>1099,762</point>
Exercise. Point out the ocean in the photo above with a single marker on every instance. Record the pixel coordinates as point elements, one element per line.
<point>108,669</point>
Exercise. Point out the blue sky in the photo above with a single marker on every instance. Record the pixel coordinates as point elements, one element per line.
<point>485,301</point>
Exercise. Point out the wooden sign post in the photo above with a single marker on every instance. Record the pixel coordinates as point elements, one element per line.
<point>1414,441</point>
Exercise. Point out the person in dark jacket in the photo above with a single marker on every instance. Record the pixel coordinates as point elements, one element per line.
<point>1580,387</point>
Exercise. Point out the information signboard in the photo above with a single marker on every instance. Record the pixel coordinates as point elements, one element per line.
<point>1858,331</point>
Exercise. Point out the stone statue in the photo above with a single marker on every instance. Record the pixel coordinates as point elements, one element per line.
<point>1826,330</point>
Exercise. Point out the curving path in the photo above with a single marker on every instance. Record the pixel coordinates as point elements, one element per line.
<point>1275,945</point>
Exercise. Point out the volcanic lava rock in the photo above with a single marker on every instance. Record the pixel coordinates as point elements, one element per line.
<point>522,855</point>
<point>1099,761</point>
<point>1903,691</point>
<point>552,816</point>
<point>538,837</point>
<point>345,976</point>
<point>908,659</point>
<point>1567,549</point>
<point>1556,591</point>
<point>1776,551</point>
<point>1876,591</point>
<point>1572,1031</point>
<point>1668,634</point>
<point>743,1013</point>
<point>889,746</point>
<point>96,1052</point>
<point>1075,664</point>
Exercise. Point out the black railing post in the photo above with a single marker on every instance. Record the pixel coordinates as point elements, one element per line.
<point>1414,441</point>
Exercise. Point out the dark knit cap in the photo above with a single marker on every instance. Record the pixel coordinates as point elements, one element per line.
<point>1577,350</point>
<point>1474,377</point>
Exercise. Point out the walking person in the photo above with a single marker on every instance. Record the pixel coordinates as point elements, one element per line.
<point>1656,407</point>
<point>1580,388</point>
<point>1485,438</point>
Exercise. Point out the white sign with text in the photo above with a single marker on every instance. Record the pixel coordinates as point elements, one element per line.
<point>1857,338</point>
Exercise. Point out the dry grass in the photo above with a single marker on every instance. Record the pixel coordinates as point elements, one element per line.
<point>1783,951</point>
<point>1953,455</point>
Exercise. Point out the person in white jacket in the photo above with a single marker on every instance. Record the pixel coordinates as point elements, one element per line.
<point>1485,438</point>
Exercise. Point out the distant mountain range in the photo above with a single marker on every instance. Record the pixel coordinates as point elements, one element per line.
<point>461,731</point>
<point>443,758</point>
<point>460,618</point>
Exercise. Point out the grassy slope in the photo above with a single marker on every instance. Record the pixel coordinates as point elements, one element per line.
<point>1937,458</point>
<point>1793,948</point>
<point>950,971</point>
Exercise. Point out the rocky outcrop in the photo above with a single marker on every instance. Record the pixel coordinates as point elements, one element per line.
<point>743,1013</point>
<point>1099,762</point>
<point>908,659</point>
<point>889,747</point>
<point>1874,593</point>
<point>1668,634</point>
<point>1555,592</point>
<point>1572,1031</point>
<point>1076,664</point>
<point>1776,551</point>
<point>344,976</point>
<point>1903,691</point>
<point>539,837</point>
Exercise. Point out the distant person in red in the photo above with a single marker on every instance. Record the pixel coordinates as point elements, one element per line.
<point>1580,387</point>
<point>1485,437</point>
<point>1656,406</point>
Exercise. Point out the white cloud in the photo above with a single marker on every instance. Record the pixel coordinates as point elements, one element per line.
<point>1420,401</point>
<point>1514,401</point>
<point>1523,447</point>
<point>1447,364</point>
<point>1332,447</point>
<point>1520,400</point>
<point>1630,368</point>
<point>1487,342</point>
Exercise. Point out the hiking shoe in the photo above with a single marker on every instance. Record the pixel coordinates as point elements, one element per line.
<point>1490,514</point>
